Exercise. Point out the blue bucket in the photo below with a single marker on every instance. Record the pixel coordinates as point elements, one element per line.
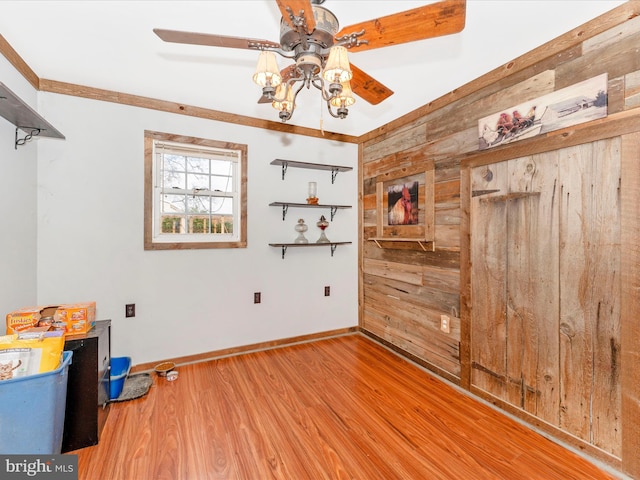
<point>120,367</point>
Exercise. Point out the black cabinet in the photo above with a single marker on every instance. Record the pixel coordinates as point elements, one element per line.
<point>87,387</point>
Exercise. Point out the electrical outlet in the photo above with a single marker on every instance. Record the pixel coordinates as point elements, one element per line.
<point>257,297</point>
<point>130,310</point>
<point>327,291</point>
<point>445,323</point>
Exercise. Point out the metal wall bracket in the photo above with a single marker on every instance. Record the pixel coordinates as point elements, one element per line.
<point>34,132</point>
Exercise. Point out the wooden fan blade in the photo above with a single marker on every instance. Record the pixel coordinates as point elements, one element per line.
<point>211,40</point>
<point>296,7</point>
<point>367,87</point>
<point>287,72</point>
<point>434,20</point>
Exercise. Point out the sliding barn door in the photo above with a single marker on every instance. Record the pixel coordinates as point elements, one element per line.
<point>545,287</point>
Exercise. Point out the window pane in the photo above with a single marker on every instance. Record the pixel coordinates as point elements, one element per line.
<point>171,224</point>
<point>173,203</point>
<point>172,179</point>
<point>221,184</point>
<point>222,224</point>
<point>198,165</point>
<point>221,167</point>
<point>197,181</point>
<point>199,224</point>
<point>175,163</point>
<point>221,205</point>
<point>198,204</point>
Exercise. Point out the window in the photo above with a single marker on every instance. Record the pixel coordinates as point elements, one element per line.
<point>195,193</point>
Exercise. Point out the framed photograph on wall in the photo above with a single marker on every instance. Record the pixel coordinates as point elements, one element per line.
<point>405,205</point>
<point>402,202</point>
<point>579,103</point>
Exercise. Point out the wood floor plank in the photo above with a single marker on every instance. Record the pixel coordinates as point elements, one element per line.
<point>338,408</point>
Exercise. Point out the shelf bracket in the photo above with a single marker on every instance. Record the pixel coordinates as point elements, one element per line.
<point>334,174</point>
<point>284,250</point>
<point>285,208</point>
<point>333,212</point>
<point>21,141</point>
<point>284,169</point>
<point>333,248</point>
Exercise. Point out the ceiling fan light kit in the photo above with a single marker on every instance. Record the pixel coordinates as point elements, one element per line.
<point>319,49</point>
<point>318,62</point>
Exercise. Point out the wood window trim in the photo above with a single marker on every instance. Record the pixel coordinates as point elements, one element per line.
<point>149,244</point>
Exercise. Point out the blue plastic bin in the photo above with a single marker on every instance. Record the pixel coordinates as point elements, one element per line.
<point>120,367</point>
<point>32,411</point>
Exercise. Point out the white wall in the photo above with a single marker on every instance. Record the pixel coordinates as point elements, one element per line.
<point>18,206</point>
<point>90,237</point>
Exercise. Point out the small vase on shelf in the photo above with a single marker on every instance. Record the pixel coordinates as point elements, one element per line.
<point>322,225</point>
<point>301,227</point>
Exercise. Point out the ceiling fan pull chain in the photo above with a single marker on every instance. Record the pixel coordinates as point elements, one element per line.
<point>321,118</point>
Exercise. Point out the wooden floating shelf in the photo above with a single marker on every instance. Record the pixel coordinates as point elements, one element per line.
<point>284,246</point>
<point>425,245</point>
<point>285,207</point>
<point>313,166</point>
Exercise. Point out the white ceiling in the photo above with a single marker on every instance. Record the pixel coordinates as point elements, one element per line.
<point>111,45</point>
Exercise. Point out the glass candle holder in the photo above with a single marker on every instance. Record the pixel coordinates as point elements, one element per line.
<point>312,198</point>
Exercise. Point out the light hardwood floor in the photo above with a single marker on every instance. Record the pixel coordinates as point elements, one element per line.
<point>339,408</point>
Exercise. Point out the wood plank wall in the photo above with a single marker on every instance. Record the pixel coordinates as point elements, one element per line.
<point>404,292</point>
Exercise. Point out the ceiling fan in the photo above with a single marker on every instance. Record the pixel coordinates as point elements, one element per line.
<point>311,37</point>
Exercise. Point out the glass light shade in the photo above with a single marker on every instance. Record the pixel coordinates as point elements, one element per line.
<point>313,189</point>
<point>284,92</point>
<point>346,95</point>
<point>337,68</point>
<point>267,72</point>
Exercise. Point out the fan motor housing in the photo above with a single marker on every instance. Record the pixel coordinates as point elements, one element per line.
<point>309,63</point>
<point>327,27</point>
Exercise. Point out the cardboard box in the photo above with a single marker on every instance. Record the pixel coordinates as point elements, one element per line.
<point>80,317</point>
<point>76,318</point>
<point>22,319</point>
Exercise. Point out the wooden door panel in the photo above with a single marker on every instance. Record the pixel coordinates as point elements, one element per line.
<point>532,286</point>
<point>590,276</point>
<point>545,283</point>
<point>488,285</point>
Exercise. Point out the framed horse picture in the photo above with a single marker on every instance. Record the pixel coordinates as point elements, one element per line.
<point>405,205</point>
